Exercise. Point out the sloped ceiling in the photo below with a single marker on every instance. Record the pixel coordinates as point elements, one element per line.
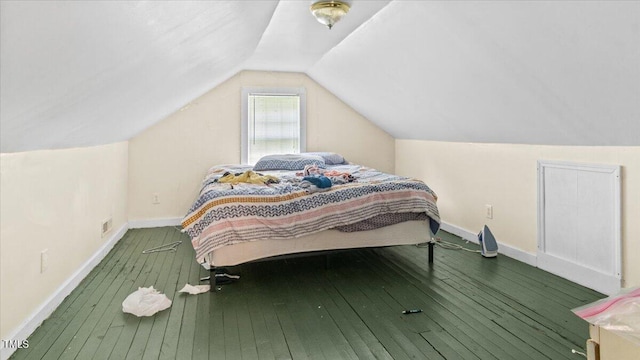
<point>80,73</point>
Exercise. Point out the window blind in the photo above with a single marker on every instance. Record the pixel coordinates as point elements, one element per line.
<point>274,125</point>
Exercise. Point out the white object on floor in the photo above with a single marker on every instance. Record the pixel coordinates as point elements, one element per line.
<point>195,289</point>
<point>145,302</point>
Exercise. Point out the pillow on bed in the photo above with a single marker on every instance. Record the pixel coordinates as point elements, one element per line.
<point>288,162</point>
<point>330,158</point>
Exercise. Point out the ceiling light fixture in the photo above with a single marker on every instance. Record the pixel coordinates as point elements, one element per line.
<point>329,12</point>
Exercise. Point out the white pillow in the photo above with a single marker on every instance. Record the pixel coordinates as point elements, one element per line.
<point>330,158</point>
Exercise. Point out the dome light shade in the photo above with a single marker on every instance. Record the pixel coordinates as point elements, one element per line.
<point>329,12</point>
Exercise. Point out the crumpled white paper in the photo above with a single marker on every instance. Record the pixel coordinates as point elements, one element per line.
<point>145,302</point>
<point>195,289</point>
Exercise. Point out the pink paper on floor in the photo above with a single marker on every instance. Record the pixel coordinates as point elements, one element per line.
<point>619,314</point>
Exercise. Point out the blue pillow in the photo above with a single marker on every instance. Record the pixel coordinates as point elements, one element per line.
<point>330,158</point>
<point>288,162</point>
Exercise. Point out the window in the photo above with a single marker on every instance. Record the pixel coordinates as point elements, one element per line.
<point>273,122</point>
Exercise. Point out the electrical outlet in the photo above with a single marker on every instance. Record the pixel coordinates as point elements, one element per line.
<point>44,260</point>
<point>156,198</point>
<point>489,211</point>
<point>106,226</point>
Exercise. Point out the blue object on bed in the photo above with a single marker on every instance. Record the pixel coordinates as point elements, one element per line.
<point>321,182</point>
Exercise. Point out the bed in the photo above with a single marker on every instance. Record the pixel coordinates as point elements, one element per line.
<point>292,204</point>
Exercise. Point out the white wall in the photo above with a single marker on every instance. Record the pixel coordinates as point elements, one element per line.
<point>466,176</point>
<point>172,157</point>
<point>55,200</point>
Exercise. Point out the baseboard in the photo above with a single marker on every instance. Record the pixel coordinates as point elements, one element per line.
<point>460,232</point>
<point>504,249</point>
<point>24,330</point>
<point>153,223</point>
<point>580,274</point>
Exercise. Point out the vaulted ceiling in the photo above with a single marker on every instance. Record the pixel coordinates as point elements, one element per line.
<point>81,73</point>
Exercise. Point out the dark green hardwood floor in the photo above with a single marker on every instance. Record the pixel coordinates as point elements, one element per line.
<point>473,308</point>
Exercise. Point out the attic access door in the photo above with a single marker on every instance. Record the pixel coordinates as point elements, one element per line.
<point>579,223</point>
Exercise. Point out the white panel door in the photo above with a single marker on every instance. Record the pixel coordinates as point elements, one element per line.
<point>579,223</point>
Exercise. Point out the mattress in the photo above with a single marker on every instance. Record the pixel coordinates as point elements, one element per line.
<point>238,206</point>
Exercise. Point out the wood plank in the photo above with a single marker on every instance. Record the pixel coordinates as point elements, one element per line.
<point>448,325</point>
<point>361,339</point>
<point>540,277</point>
<point>102,325</point>
<point>344,338</point>
<point>446,309</point>
<point>166,284</point>
<point>189,317</point>
<point>106,345</point>
<point>550,341</point>
<point>141,338</point>
<point>375,314</point>
<point>246,331</point>
<point>536,302</point>
<point>169,349</point>
<point>294,308</point>
<point>467,314</point>
<point>554,343</point>
<point>140,276</point>
<point>217,346</point>
<point>44,337</point>
<point>117,324</point>
<point>413,324</point>
<point>81,313</point>
<point>299,346</point>
<point>231,328</point>
<point>203,319</point>
<point>264,341</point>
<point>446,345</point>
<point>313,311</point>
<point>260,301</point>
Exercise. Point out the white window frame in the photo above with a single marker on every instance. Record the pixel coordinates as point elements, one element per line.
<point>244,105</point>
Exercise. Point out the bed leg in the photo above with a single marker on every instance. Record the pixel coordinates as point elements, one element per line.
<point>212,279</point>
<point>431,243</point>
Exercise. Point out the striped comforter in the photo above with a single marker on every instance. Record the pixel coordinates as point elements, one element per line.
<point>227,214</point>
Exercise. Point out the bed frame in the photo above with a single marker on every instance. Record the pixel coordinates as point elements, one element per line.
<point>405,233</point>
